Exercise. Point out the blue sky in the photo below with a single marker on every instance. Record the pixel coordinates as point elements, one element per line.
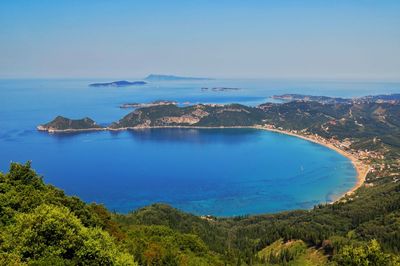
<point>237,39</point>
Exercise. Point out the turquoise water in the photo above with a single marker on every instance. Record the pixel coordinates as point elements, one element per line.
<point>222,172</point>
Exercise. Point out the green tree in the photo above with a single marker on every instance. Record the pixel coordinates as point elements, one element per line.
<point>53,233</point>
<point>365,255</point>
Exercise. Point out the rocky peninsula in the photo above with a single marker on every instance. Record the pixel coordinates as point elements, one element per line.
<point>360,129</point>
<point>63,124</point>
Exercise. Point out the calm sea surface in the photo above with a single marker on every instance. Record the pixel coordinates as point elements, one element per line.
<point>222,172</point>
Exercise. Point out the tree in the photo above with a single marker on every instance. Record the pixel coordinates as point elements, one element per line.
<point>53,233</point>
<point>365,255</point>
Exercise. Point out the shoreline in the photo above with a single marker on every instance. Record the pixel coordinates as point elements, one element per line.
<point>51,131</point>
<point>361,169</point>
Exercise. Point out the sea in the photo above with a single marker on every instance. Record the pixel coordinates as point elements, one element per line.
<point>220,172</point>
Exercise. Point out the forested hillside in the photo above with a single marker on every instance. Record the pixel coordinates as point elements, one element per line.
<point>41,225</point>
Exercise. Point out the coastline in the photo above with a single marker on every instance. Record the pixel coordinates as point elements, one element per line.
<point>361,168</point>
<point>51,131</point>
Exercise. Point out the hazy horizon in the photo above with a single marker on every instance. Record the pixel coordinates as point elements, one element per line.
<point>335,40</point>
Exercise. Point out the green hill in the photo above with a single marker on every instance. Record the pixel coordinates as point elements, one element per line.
<point>39,224</point>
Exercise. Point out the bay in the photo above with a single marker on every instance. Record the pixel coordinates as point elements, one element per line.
<point>221,172</point>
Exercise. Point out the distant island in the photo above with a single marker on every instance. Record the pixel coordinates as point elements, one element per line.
<point>151,78</point>
<point>154,103</point>
<point>120,83</point>
<point>158,77</point>
<point>220,89</point>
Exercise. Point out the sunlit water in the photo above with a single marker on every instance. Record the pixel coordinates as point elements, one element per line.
<point>212,171</point>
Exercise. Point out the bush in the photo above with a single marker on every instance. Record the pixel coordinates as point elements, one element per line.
<point>53,233</point>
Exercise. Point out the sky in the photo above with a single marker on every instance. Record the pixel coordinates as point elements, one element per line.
<point>217,38</point>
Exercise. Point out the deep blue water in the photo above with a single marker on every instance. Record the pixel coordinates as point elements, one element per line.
<point>212,171</point>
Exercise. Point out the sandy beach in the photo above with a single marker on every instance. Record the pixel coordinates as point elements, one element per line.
<point>361,168</point>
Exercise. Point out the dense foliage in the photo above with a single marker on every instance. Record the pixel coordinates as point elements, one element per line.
<point>291,253</point>
<point>195,115</point>
<point>40,225</point>
<point>63,123</point>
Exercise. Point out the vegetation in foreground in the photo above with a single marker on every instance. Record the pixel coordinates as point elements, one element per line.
<point>40,225</point>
